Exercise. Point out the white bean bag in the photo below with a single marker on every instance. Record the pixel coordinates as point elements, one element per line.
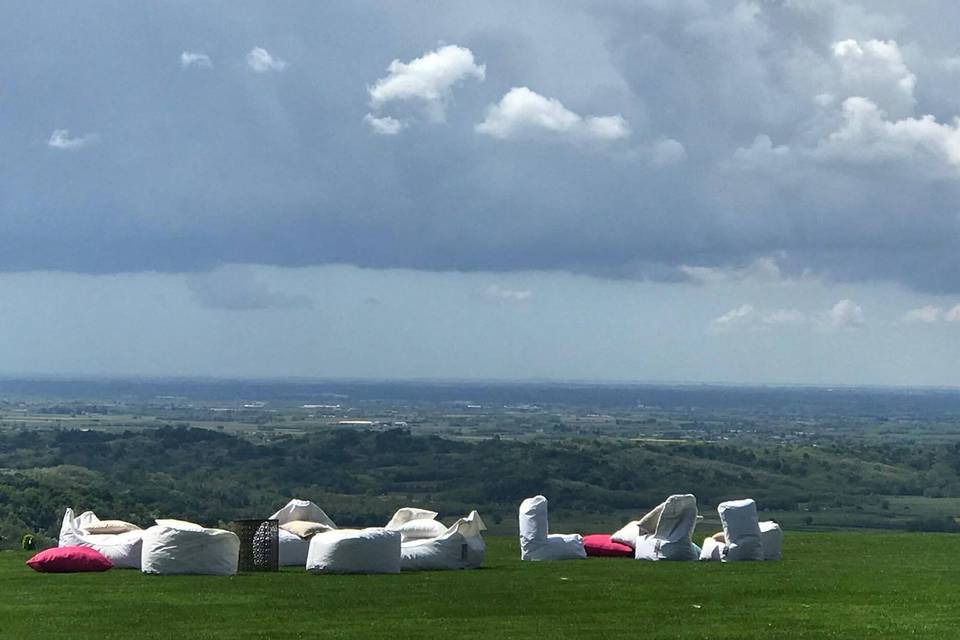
<point>673,536</point>
<point>176,547</point>
<point>536,541</point>
<point>416,524</point>
<point>771,536</point>
<point>741,530</point>
<point>458,547</point>
<point>293,549</point>
<point>712,549</point>
<point>373,550</point>
<point>123,549</point>
<point>629,532</point>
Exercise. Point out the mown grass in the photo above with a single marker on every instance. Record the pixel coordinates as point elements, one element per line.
<point>829,585</point>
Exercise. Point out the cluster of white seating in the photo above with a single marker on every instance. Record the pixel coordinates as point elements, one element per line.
<point>664,533</point>
<point>413,540</point>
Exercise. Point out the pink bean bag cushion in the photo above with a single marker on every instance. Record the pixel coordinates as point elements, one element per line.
<point>69,560</point>
<point>600,545</point>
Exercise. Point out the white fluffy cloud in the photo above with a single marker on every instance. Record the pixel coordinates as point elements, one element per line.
<point>752,319</point>
<point>522,112</point>
<point>868,136</point>
<point>923,315</point>
<point>261,61</point>
<point>428,79</point>
<point>195,59</point>
<point>667,152</point>
<point>845,314</point>
<point>498,292</point>
<point>61,139</point>
<point>932,314</point>
<point>875,68</point>
<point>385,126</point>
<point>761,155</point>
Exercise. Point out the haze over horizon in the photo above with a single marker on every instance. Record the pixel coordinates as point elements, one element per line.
<point>730,192</point>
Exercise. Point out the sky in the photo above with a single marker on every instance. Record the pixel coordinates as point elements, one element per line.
<point>728,191</point>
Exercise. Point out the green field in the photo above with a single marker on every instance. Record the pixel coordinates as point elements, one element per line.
<point>829,585</point>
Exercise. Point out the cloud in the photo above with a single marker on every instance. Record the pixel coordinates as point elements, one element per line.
<point>428,80</point>
<point>761,270</point>
<point>923,315</point>
<point>868,136</point>
<point>261,61</point>
<point>385,126</point>
<point>667,152</point>
<point>845,314</point>
<point>498,292</point>
<point>932,314</point>
<point>240,288</point>
<point>875,68</point>
<point>857,190</point>
<point>750,318</point>
<point>522,113</point>
<point>762,155</point>
<point>195,59</point>
<point>61,139</point>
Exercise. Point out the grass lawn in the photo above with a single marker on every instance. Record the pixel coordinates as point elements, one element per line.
<point>829,585</point>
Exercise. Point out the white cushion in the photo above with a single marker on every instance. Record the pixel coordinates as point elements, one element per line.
<point>536,543</point>
<point>303,528</point>
<point>712,549</point>
<point>672,539</point>
<point>373,550</point>
<point>123,549</point>
<point>302,510</point>
<point>110,527</point>
<point>416,524</point>
<point>627,534</point>
<point>741,530</point>
<point>459,547</point>
<point>181,525</point>
<point>293,549</point>
<point>178,549</point>
<point>771,536</point>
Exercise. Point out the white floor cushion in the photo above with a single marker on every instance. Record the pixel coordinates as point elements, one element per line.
<point>672,539</point>
<point>123,549</point>
<point>171,548</point>
<point>373,550</point>
<point>537,543</point>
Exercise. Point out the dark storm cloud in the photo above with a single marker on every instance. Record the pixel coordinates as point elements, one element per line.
<point>190,166</point>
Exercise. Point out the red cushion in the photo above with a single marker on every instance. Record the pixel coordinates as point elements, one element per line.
<point>69,560</point>
<point>600,544</point>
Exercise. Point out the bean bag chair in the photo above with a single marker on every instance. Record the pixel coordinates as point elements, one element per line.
<point>628,534</point>
<point>743,537</point>
<point>372,550</point>
<point>69,560</point>
<point>176,547</point>
<point>122,549</point>
<point>741,530</point>
<point>600,545</point>
<point>771,536</point>
<point>460,546</point>
<point>672,538</point>
<point>293,548</point>
<point>537,543</point>
<point>416,524</point>
<point>712,549</point>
